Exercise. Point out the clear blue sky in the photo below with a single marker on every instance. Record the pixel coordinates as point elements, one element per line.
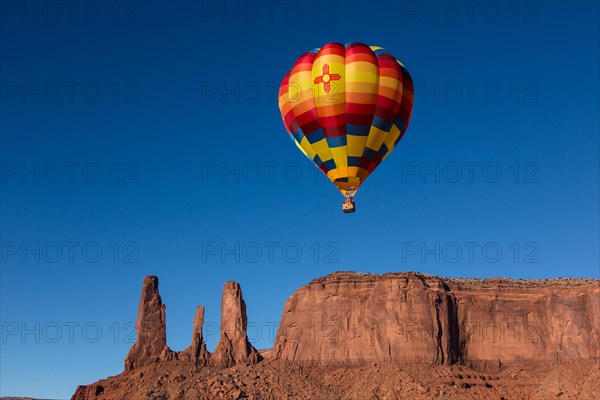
<point>117,123</point>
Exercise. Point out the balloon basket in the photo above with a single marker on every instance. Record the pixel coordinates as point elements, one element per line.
<point>348,206</point>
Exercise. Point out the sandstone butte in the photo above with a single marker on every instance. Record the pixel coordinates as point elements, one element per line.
<point>365,336</point>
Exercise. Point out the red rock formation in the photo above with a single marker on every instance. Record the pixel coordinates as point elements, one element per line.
<point>544,334</point>
<point>151,345</point>
<point>356,318</point>
<point>197,352</point>
<point>88,392</point>
<point>507,324</point>
<point>233,347</point>
<point>406,317</point>
<point>151,329</point>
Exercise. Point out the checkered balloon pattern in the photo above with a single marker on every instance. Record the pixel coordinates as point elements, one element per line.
<point>346,107</point>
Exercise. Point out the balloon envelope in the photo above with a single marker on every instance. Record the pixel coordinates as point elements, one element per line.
<point>346,107</point>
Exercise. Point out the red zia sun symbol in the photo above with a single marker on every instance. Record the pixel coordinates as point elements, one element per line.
<point>326,78</point>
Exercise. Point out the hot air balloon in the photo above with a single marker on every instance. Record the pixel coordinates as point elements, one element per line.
<point>346,107</point>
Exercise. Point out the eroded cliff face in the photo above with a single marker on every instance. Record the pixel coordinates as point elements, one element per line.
<point>352,318</point>
<point>408,317</point>
<point>508,323</point>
